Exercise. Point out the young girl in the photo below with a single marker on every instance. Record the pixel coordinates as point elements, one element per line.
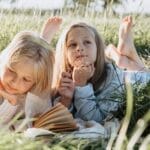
<point>26,65</point>
<point>82,74</point>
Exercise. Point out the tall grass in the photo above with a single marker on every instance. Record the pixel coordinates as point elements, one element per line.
<point>13,22</point>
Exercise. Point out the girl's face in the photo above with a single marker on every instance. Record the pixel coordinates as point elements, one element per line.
<point>18,79</point>
<point>81,43</point>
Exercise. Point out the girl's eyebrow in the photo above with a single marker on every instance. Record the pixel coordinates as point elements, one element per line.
<point>85,37</point>
<point>70,41</point>
<point>89,37</point>
<point>28,77</point>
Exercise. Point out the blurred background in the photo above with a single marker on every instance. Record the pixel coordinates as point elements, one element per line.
<point>118,6</point>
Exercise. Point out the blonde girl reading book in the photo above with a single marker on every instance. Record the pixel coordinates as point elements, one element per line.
<point>84,77</point>
<point>26,65</point>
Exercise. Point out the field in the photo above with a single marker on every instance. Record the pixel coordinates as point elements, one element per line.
<point>13,22</point>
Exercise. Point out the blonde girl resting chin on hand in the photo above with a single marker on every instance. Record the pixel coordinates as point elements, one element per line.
<point>84,78</point>
<point>26,66</point>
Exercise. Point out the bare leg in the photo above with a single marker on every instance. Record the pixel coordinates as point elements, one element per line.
<point>122,61</point>
<point>50,27</point>
<point>126,45</point>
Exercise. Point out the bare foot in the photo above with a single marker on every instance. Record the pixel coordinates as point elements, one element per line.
<point>122,61</point>
<point>50,27</point>
<point>126,45</point>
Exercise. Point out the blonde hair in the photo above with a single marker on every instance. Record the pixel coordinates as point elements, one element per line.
<point>27,44</point>
<point>62,64</point>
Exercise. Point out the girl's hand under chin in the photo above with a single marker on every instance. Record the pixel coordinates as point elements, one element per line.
<point>82,72</point>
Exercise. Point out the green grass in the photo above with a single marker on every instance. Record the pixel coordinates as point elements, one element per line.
<point>12,23</point>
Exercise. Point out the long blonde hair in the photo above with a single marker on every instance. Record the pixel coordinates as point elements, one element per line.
<point>62,64</point>
<point>30,45</point>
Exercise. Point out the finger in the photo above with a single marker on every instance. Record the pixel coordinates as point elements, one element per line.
<point>65,84</point>
<point>83,62</point>
<point>66,75</point>
<point>66,80</point>
<point>68,85</point>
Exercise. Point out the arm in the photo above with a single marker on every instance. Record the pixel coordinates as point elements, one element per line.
<point>66,89</point>
<point>91,107</point>
<point>7,112</point>
<point>35,105</point>
<point>141,77</point>
<point>85,104</point>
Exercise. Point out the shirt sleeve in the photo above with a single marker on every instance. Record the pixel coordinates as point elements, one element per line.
<point>89,108</point>
<point>7,111</point>
<point>35,105</point>
<point>139,77</point>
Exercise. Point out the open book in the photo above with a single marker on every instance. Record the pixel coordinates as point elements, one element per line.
<point>57,119</point>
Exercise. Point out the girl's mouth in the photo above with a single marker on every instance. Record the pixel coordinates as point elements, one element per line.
<point>81,56</point>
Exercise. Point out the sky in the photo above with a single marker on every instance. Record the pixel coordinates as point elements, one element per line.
<point>142,6</point>
<point>135,6</point>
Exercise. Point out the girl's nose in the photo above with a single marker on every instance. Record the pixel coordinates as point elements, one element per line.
<point>80,48</point>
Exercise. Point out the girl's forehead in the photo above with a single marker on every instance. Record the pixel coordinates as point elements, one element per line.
<point>24,66</point>
<point>22,61</point>
<point>80,31</point>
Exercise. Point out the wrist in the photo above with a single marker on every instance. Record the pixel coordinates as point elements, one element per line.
<point>66,101</point>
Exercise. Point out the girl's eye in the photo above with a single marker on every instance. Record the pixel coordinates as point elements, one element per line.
<point>88,42</point>
<point>72,45</point>
<point>11,70</point>
<point>26,80</point>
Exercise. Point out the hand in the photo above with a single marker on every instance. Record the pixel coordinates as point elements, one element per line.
<point>66,88</point>
<point>82,72</point>
<point>13,99</point>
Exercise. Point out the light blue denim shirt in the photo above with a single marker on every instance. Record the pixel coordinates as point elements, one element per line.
<point>97,105</point>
